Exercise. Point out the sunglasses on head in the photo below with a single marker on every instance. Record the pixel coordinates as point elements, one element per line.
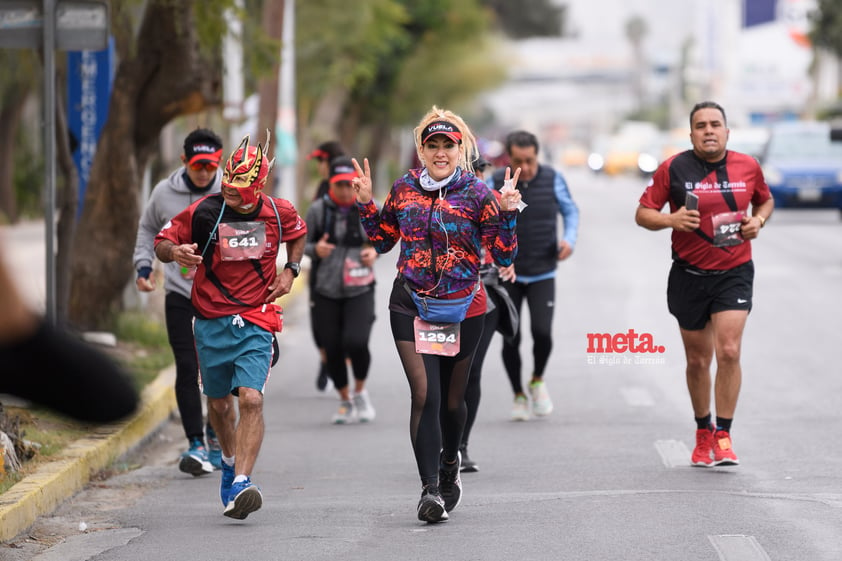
<point>207,166</point>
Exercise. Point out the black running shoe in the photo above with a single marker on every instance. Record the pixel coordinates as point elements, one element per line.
<point>322,378</point>
<point>450,484</point>
<point>431,506</point>
<point>468,465</point>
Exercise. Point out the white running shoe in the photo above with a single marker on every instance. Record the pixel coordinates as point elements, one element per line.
<point>365,410</point>
<point>520,409</point>
<point>541,403</point>
<point>346,414</point>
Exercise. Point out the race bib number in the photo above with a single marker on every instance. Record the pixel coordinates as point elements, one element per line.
<point>436,338</point>
<point>726,229</point>
<point>239,241</point>
<point>357,274</point>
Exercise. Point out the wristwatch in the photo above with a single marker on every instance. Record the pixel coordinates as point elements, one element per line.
<point>295,268</point>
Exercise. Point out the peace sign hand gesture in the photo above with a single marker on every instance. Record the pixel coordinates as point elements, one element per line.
<point>362,183</point>
<point>509,195</point>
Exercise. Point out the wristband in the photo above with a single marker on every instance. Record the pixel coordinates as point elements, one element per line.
<point>762,220</point>
<point>144,272</point>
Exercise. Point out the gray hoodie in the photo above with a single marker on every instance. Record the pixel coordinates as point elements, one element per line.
<point>169,197</point>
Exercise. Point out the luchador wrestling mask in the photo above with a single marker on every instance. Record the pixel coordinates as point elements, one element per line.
<point>247,170</point>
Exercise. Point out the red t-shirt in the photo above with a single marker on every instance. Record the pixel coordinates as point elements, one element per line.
<point>729,185</point>
<point>224,286</point>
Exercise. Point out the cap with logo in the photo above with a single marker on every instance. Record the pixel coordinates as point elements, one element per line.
<point>342,169</point>
<point>446,128</point>
<point>202,148</point>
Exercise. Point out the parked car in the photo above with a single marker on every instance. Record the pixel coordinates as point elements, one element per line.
<point>802,166</point>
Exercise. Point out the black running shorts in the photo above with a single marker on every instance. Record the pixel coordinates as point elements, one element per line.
<point>693,296</point>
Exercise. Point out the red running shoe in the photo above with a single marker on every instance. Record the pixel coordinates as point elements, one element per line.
<point>703,452</point>
<point>723,453</point>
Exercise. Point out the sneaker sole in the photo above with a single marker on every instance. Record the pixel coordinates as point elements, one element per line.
<point>432,512</point>
<point>248,501</point>
<point>469,469</point>
<point>726,462</point>
<point>702,464</point>
<point>194,466</point>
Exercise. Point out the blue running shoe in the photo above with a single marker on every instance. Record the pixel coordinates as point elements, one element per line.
<point>228,474</point>
<point>195,459</point>
<point>244,499</point>
<point>214,449</point>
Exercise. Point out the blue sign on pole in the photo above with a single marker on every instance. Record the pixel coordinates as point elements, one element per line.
<point>89,81</point>
<point>757,12</point>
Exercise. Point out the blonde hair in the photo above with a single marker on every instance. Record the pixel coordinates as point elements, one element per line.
<point>467,147</point>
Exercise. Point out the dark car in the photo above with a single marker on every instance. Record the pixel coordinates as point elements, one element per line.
<point>802,166</point>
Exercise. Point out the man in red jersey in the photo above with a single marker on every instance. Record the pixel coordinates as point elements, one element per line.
<point>233,238</point>
<point>709,190</point>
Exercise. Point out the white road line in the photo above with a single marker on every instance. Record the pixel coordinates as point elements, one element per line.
<point>673,453</point>
<point>637,397</point>
<point>738,548</point>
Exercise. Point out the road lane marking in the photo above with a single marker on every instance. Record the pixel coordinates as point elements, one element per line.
<point>738,547</point>
<point>673,453</point>
<point>637,397</point>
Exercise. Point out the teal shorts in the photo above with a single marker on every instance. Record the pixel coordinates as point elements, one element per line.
<point>233,353</point>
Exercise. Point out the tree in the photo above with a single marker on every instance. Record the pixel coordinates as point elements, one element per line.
<point>17,79</point>
<point>529,18</point>
<point>267,115</point>
<point>636,30</point>
<point>450,57</point>
<point>338,51</point>
<point>164,73</point>
<point>827,26</point>
<point>363,73</point>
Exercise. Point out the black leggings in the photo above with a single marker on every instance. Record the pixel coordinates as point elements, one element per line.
<point>437,386</point>
<point>473,391</point>
<point>179,314</point>
<point>344,327</point>
<point>540,297</point>
<point>314,331</point>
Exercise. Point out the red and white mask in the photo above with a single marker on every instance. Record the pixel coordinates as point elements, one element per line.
<point>247,170</point>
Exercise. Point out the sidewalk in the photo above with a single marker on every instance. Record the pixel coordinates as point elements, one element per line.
<point>57,481</point>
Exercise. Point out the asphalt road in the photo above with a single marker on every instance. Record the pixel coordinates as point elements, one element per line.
<point>605,477</point>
